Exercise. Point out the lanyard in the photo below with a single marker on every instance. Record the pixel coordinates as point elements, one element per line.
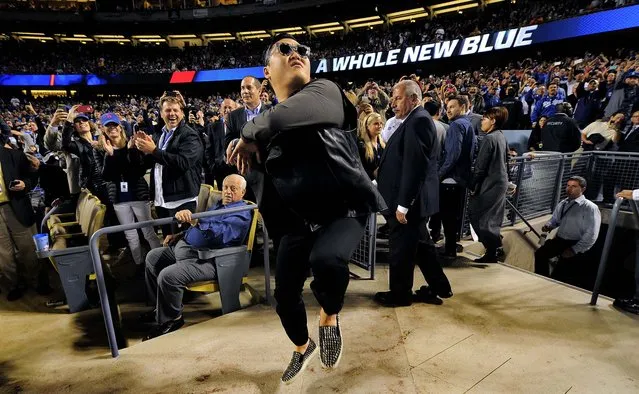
<point>166,137</point>
<point>566,209</point>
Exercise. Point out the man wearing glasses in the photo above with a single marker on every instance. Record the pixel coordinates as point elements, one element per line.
<point>175,157</point>
<point>321,201</point>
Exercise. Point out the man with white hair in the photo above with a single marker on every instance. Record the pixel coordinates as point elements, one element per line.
<point>170,268</point>
<point>408,181</point>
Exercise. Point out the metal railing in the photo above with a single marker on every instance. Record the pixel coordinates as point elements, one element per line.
<point>97,262</point>
<point>541,179</point>
<point>364,255</point>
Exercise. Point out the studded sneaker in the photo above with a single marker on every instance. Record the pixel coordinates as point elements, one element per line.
<point>330,339</point>
<point>299,362</point>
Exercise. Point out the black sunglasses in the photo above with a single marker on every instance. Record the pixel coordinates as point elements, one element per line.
<point>287,49</point>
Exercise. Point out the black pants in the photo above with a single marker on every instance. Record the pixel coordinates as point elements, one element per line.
<point>327,252</point>
<point>173,228</point>
<point>552,248</point>
<point>409,245</point>
<point>451,208</point>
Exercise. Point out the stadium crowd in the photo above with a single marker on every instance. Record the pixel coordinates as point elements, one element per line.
<point>112,58</point>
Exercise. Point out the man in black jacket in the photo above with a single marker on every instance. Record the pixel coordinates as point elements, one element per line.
<point>18,262</point>
<point>409,183</point>
<point>175,157</point>
<point>250,90</point>
<point>561,133</point>
<point>217,146</point>
<point>330,194</point>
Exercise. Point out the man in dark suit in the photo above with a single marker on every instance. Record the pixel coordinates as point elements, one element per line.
<point>408,181</point>
<point>216,150</point>
<point>250,90</point>
<point>18,262</point>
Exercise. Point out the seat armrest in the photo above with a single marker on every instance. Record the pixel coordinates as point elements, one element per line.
<point>207,254</point>
<point>62,252</point>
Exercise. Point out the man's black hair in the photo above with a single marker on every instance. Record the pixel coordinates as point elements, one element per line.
<point>580,180</point>
<point>279,37</point>
<point>433,107</point>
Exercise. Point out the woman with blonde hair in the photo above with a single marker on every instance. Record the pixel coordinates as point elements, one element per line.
<point>127,189</point>
<point>371,145</point>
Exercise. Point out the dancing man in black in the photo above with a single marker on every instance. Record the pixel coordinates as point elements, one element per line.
<point>316,193</point>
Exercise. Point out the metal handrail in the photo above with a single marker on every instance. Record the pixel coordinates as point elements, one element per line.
<point>99,273</point>
<point>603,261</point>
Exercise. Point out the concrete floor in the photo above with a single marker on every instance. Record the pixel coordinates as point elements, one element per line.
<point>504,331</point>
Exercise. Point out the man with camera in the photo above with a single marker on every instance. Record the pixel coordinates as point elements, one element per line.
<point>375,96</point>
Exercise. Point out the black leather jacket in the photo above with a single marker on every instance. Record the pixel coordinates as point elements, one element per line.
<point>312,154</point>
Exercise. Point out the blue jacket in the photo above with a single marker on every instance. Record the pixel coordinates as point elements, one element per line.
<point>458,151</point>
<point>545,106</point>
<point>587,109</point>
<point>221,231</point>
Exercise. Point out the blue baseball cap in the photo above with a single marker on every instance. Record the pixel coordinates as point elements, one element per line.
<point>632,74</point>
<point>81,115</point>
<point>109,117</point>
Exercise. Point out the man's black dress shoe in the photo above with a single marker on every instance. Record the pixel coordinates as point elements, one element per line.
<point>148,316</point>
<point>388,298</point>
<point>486,259</point>
<point>163,329</point>
<point>15,294</point>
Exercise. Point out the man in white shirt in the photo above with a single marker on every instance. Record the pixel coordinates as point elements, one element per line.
<point>578,220</point>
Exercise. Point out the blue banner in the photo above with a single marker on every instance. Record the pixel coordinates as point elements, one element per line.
<point>596,23</point>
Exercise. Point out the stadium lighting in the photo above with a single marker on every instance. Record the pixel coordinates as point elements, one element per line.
<point>487,2</point>
<point>410,17</point>
<point>41,38</point>
<point>366,24</point>
<point>120,40</point>
<point>251,33</point>
<point>147,37</point>
<point>177,36</point>
<point>370,18</point>
<point>453,9</point>
<point>406,12</point>
<point>256,36</point>
<point>329,29</point>
<point>81,39</point>
<point>22,33</point>
<point>221,38</point>
<point>108,36</point>
<point>289,30</point>
<point>156,40</point>
<point>312,27</point>
<point>449,3</point>
<point>208,35</point>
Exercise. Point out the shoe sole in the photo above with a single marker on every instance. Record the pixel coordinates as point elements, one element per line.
<point>304,365</point>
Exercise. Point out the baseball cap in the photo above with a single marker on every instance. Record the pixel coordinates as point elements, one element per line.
<point>109,117</point>
<point>82,116</point>
<point>632,74</point>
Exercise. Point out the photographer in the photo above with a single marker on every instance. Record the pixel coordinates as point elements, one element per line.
<point>375,96</point>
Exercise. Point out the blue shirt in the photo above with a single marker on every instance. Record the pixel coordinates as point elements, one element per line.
<point>220,231</point>
<point>250,114</point>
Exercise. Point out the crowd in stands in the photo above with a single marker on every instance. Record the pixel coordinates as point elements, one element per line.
<point>110,58</point>
<point>589,103</point>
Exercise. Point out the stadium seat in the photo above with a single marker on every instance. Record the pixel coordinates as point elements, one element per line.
<point>232,264</point>
<point>70,255</point>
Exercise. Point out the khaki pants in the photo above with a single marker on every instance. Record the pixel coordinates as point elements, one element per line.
<point>18,261</point>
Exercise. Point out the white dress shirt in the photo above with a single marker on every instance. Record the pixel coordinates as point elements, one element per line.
<point>157,173</point>
<point>578,220</point>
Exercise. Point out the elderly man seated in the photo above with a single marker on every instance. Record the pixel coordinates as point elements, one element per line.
<point>170,269</point>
